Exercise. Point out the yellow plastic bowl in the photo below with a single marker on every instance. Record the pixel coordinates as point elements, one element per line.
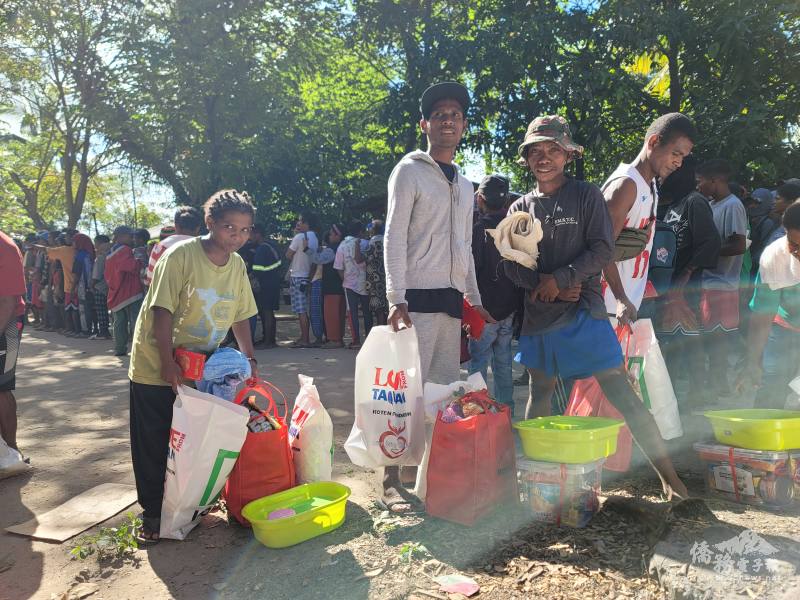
<point>320,508</point>
<point>569,440</point>
<point>756,428</point>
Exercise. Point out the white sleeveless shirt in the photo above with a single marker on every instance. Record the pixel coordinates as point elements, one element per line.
<point>633,272</point>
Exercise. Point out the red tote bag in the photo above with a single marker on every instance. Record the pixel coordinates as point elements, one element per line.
<point>472,466</point>
<point>265,464</point>
<point>588,400</point>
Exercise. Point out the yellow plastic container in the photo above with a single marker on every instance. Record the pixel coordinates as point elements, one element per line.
<point>756,428</point>
<point>319,507</point>
<point>571,440</point>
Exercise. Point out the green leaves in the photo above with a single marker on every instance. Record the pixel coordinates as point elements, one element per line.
<point>309,105</point>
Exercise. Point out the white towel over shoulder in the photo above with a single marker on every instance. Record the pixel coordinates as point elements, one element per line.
<point>517,238</point>
<point>778,268</point>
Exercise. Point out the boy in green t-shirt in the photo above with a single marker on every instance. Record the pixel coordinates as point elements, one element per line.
<point>199,291</point>
<point>774,334</point>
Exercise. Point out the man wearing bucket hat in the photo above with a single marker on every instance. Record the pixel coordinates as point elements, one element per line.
<point>428,241</point>
<point>565,329</point>
<point>630,192</point>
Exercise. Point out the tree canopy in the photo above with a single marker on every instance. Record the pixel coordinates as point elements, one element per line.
<point>310,104</point>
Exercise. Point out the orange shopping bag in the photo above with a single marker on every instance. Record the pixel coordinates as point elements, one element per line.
<point>472,466</point>
<point>265,465</point>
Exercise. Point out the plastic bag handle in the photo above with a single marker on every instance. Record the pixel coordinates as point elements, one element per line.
<point>258,385</point>
<point>625,330</point>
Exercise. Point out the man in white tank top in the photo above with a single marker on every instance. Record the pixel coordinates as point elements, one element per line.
<point>631,198</point>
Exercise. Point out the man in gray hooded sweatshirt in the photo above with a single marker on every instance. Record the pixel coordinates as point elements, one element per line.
<point>428,249</point>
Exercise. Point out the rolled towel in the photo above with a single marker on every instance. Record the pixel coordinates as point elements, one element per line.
<point>517,238</point>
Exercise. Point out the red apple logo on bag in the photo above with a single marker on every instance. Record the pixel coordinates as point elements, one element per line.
<point>392,443</point>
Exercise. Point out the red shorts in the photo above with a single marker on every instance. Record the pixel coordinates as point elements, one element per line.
<point>719,309</point>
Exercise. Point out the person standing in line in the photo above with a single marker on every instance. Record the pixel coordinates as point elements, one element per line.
<point>759,205</point>
<point>372,257</point>
<point>82,275</point>
<point>267,271</point>
<point>199,292</point>
<point>102,245</point>
<point>428,250</point>
<point>12,320</point>
<point>64,282</point>
<point>303,245</point>
<point>315,312</point>
<point>565,331</point>
<point>29,266</point>
<point>125,292</point>
<point>719,303</point>
<point>332,290</point>
<point>500,296</point>
<point>354,282</point>
<point>141,238</point>
<point>187,221</point>
<point>773,342</point>
<point>785,195</point>
<point>631,196</point>
<point>688,214</point>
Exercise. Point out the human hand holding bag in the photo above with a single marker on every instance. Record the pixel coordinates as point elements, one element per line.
<point>389,425</point>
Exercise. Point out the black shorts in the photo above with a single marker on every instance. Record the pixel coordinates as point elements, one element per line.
<point>9,351</point>
<point>269,296</point>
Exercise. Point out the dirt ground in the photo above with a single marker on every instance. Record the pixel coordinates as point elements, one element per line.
<point>73,409</point>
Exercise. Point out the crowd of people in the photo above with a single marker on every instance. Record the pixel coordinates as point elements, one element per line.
<point>84,288</point>
<point>716,268</point>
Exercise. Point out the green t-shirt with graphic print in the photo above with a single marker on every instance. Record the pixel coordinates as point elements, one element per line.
<point>204,299</point>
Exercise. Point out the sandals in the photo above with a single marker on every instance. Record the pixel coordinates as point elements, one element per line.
<point>148,533</point>
<point>400,497</point>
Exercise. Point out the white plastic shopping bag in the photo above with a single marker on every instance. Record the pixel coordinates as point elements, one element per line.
<point>204,442</point>
<point>389,427</point>
<point>311,435</point>
<point>657,390</point>
<point>436,396</point>
<point>11,461</point>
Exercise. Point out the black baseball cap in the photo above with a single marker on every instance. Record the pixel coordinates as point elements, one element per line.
<point>494,187</point>
<point>438,91</point>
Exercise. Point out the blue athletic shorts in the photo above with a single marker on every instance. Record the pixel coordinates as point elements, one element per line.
<point>578,350</point>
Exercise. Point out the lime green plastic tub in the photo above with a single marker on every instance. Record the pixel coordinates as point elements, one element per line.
<point>569,440</point>
<point>756,428</point>
<point>319,508</point>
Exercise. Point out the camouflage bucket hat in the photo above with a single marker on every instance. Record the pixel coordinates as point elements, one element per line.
<point>550,128</point>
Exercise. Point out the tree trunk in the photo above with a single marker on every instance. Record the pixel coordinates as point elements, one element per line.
<point>30,202</point>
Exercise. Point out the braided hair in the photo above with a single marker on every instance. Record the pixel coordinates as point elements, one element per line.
<point>228,200</point>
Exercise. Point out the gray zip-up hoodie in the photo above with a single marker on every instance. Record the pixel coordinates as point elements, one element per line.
<point>428,238</point>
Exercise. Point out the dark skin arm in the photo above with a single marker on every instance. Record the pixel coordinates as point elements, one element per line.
<point>7,306</point>
<point>162,329</point>
<point>757,335</point>
<point>359,258</point>
<point>620,196</point>
<point>735,245</point>
<point>241,331</point>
